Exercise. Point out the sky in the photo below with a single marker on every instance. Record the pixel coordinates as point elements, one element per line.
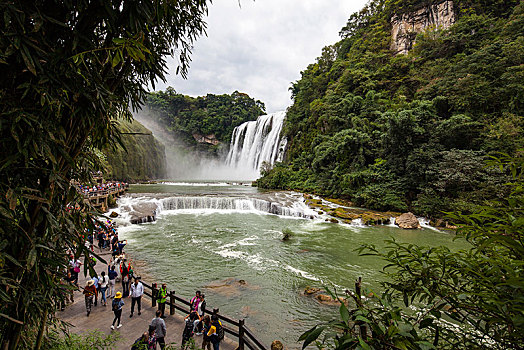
<point>260,47</point>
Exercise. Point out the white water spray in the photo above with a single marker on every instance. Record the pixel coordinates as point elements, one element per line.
<point>255,142</point>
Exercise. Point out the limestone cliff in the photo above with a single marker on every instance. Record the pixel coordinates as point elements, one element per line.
<point>145,158</point>
<point>405,27</point>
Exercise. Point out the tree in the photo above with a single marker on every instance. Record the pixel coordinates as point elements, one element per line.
<point>467,299</point>
<point>69,70</point>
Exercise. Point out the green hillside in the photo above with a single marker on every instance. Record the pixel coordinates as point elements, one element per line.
<point>212,115</point>
<point>142,159</point>
<point>410,131</point>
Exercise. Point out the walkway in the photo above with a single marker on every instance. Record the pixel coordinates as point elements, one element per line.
<point>101,318</point>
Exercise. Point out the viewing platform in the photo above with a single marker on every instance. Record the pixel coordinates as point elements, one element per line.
<point>99,197</point>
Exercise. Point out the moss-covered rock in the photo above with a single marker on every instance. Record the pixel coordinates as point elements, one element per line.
<point>142,159</point>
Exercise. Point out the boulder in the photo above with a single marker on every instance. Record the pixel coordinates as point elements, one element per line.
<point>407,221</point>
<point>323,298</point>
<point>311,290</point>
<point>113,214</point>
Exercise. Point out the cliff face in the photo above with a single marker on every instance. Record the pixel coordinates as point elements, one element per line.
<point>405,27</point>
<point>145,158</point>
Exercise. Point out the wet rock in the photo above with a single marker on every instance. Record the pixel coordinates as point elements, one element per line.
<point>113,214</point>
<point>323,298</point>
<point>231,287</point>
<point>333,220</point>
<point>407,221</point>
<point>311,290</point>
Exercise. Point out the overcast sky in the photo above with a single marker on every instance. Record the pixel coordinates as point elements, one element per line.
<point>261,47</point>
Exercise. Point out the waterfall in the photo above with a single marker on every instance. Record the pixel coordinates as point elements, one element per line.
<point>257,141</point>
<point>234,204</point>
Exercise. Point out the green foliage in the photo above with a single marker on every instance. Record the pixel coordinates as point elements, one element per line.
<point>467,299</point>
<point>141,158</point>
<point>433,115</point>
<point>69,70</point>
<point>204,115</point>
<point>94,340</point>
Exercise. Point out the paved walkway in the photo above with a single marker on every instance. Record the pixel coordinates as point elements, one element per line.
<point>101,318</point>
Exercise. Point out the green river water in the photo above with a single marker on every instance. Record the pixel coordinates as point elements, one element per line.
<point>201,246</point>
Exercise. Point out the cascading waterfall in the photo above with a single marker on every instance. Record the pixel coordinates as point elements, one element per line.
<point>233,204</point>
<point>257,141</point>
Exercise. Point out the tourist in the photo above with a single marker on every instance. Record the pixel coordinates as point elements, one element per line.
<point>94,277</point>
<point>103,283</point>
<point>137,290</point>
<point>188,329</point>
<point>206,343</point>
<point>161,300</point>
<point>117,305</point>
<point>75,269</point>
<point>216,332</point>
<point>112,274</point>
<point>160,329</point>
<point>121,245</point>
<point>195,301</point>
<point>90,294</point>
<point>201,308</point>
<point>100,237</point>
<point>125,278</point>
<point>141,343</point>
<point>71,283</point>
<point>151,340</point>
<point>277,345</point>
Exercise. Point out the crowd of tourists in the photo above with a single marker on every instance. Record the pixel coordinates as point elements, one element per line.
<point>102,287</point>
<point>107,186</point>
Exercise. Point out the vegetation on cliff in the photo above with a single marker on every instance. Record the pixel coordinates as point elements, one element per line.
<point>409,131</point>
<point>141,158</point>
<point>185,116</point>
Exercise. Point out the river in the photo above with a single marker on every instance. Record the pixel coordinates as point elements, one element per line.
<point>209,235</point>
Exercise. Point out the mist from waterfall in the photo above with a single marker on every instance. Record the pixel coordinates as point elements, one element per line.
<point>252,143</point>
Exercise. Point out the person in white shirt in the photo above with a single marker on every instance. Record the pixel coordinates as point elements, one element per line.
<point>136,292</point>
<point>103,282</point>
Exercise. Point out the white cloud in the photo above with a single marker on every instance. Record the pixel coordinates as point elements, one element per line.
<point>261,47</point>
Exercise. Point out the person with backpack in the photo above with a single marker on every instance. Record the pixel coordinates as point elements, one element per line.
<point>160,329</point>
<point>188,329</point>
<point>112,274</point>
<point>117,305</point>
<point>216,332</point>
<point>206,343</point>
<point>90,294</point>
<point>161,299</point>
<point>103,283</point>
<point>194,301</point>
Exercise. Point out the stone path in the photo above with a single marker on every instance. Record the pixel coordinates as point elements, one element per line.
<point>101,318</point>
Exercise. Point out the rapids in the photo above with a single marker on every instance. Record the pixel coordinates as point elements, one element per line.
<point>209,236</point>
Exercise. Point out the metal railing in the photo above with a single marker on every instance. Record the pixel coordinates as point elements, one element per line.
<point>238,329</point>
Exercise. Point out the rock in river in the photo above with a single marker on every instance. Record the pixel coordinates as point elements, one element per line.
<point>407,221</point>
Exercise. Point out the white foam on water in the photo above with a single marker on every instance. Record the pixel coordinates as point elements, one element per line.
<point>198,184</point>
<point>301,273</point>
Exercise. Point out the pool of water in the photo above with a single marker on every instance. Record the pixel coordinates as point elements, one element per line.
<point>212,248</point>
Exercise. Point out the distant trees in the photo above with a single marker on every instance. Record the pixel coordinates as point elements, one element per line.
<point>210,114</point>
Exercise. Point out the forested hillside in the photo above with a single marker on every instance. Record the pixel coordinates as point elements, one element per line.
<point>142,159</point>
<point>409,131</point>
<point>202,122</point>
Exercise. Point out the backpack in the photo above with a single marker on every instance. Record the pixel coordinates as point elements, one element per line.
<point>220,331</point>
<point>114,305</point>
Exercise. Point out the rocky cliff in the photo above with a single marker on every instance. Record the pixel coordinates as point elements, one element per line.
<point>405,27</point>
<point>143,159</point>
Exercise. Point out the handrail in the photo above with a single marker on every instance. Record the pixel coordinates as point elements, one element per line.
<point>236,328</point>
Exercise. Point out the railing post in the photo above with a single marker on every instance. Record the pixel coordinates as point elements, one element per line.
<point>241,334</point>
<point>153,293</point>
<point>172,302</point>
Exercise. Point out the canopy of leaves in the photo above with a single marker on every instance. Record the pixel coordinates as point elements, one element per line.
<point>409,131</point>
<point>203,115</point>
<point>68,70</point>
